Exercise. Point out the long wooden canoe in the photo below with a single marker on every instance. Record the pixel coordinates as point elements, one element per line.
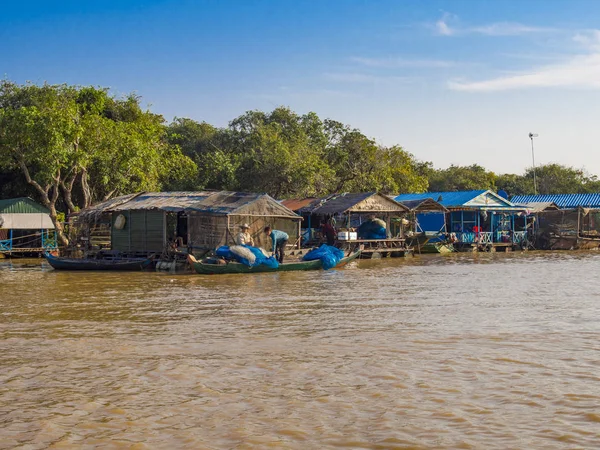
<point>235,267</point>
<point>117,264</point>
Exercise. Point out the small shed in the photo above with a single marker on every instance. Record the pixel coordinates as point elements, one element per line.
<point>427,215</point>
<point>216,219</point>
<point>25,227</point>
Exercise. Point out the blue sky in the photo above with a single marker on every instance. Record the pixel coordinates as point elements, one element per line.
<point>458,82</point>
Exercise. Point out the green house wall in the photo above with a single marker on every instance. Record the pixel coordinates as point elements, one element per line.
<point>143,232</point>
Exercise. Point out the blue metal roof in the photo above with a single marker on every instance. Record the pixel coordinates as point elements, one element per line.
<point>563,201</point>
<point>447,199</point>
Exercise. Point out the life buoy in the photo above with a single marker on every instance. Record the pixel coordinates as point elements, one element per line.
<point>120,222</point>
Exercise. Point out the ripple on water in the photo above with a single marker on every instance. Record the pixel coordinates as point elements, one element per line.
<point>464,351</point>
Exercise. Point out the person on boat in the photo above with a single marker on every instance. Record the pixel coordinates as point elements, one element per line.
<point>244,237</point>
<point>280,240</point>
<point>328,232</point>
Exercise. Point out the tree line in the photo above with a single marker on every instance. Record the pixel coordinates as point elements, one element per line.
<point>69,147</point>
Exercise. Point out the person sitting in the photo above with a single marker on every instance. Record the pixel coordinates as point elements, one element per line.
<point>244,237</point>
<point>280,240</point>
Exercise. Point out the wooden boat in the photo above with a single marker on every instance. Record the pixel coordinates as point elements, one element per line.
<point>437,247</point>
<point>202,267</point>
<point>116,264</point>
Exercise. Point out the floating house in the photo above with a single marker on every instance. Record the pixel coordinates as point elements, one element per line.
<point>25,228</point>
<point>142,223</point>
<point>348,212</point>
<point>476,219</point>
<point>571,221</point>
<point>155,222</point>
<point>216,219</point>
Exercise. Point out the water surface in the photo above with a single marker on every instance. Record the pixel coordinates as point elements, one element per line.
<point>492,351</point>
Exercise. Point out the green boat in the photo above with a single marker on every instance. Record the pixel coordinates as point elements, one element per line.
<point>204,268</point>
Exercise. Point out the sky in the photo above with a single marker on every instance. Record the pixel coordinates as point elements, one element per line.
<point>453,82</point>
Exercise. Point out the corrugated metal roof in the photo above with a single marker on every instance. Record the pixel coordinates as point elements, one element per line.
<point>242,203</point>
<point>563,201</point>
<point>97,209</point>
<point>165,201</point>
<point>480,199</point>
<point>447,199</point>
<point>21,205</point>
<point>296,204</point>
<point>535,207</point>
<point>354,202</point>
<point>424,205</point>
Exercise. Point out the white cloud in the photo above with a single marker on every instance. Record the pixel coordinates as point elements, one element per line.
<point>365,78</point>
<point>444,27</point>
<point>402,62</point>
<point>579,71</point>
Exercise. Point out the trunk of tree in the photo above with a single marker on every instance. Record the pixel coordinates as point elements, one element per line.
<point>67,189</point>
<point>85,187</point>
<point>49,201</point>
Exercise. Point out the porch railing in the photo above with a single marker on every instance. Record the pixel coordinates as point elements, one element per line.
<point>486,237</point>
<point>483,237</point>
<point>49,240</point>
<point>6,245</point>
<point>519,236</point>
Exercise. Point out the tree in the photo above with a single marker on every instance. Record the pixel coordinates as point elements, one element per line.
<point>61,136</point>
<point>291,155</point>
<point>210,149</point>
<point>559,179</point>
<point>278,153</point>
<point>461,178</point>
<point>514,184</point>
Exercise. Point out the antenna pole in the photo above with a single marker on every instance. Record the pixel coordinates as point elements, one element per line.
<point>531,136</point>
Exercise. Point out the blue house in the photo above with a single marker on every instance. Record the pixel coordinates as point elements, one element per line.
<point>474,218</point>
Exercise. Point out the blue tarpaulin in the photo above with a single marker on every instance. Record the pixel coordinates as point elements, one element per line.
<point>225,252</point>
<point>329,256</point>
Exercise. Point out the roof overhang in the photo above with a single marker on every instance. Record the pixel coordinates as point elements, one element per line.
<point>26,221</point>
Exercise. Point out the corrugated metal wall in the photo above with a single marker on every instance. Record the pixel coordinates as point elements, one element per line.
<point>143,232</point>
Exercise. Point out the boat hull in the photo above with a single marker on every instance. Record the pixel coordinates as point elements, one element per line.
<point>234,267</point>
<point>59,263</point>
<point>437,247</point>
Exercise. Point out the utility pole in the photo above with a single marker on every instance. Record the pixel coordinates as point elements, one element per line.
<point>531,136</point>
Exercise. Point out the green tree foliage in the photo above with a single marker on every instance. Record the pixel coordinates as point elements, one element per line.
<point>551,179</point>
<point>461,178</point>
<point>290,155</point>
<point>514,184</point>
<point>560,179</point>
<point>62,137</point>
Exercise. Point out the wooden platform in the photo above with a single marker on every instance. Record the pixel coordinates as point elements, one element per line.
<point>378,248</point>
<point>25,250</point>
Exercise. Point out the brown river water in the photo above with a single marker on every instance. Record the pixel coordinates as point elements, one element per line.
<point>489,351</point>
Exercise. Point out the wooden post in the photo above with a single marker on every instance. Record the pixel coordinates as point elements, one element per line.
<point>299,234</point>
<point>228,233</point>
